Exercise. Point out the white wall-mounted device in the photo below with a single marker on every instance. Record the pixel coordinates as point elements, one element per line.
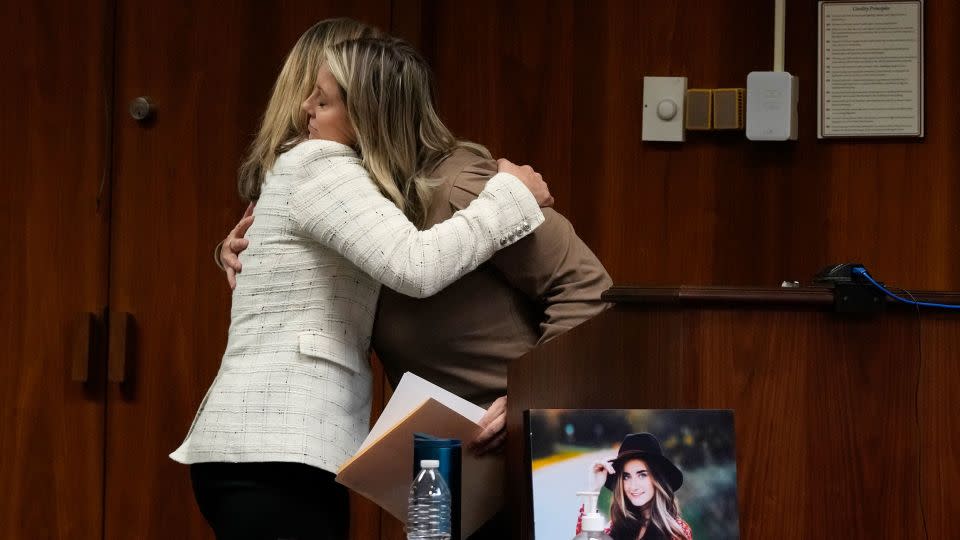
<point>772,106</point>
<point>772,96</point>
<point>663,108</point>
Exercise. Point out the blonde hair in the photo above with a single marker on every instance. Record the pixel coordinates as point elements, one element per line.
<point>284,124</point>
<point>387,88</point>
<point>626,520</point>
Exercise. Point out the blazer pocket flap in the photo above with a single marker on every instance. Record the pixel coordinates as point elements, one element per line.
<point>331,348</point>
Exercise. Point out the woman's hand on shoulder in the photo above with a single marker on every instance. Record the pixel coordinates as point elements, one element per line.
<point>530,178</point>
<point>598,474</point>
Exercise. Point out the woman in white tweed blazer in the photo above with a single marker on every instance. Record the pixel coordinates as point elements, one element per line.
<point>291,401</point>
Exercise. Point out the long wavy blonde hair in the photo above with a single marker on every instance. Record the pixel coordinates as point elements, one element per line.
<point>388,91</point>
<point>284,123</point>
<point>626,520</point>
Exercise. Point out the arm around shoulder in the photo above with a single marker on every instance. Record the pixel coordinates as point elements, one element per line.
<point>340,207</point>
<point>552,266</point>
<point>556,268</point>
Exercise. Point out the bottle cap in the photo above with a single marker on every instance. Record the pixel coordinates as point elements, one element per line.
<point>429,463</point>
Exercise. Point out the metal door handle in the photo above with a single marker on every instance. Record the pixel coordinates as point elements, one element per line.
<point>142,108</point>
<point>120,323</point>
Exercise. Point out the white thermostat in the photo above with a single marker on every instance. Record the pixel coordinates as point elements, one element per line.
<point>663,108</point>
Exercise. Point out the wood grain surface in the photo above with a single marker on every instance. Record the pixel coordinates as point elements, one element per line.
<point>843,423</point>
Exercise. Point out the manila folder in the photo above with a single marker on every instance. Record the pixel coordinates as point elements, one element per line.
<point>382,471</point>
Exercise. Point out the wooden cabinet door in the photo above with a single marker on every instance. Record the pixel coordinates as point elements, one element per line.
<point>53,258</point>
<point>207,67</point>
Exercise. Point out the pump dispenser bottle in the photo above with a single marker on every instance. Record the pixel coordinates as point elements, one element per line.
<point>593,523</point>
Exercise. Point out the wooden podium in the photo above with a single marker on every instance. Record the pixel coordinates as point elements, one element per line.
<point>846,426</point>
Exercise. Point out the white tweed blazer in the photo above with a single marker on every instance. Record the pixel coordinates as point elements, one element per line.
<point>294,384</point>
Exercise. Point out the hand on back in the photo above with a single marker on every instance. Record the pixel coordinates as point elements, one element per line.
<point>233,245</point>
<point>530,178</point>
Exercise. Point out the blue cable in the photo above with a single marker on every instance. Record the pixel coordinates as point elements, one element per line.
<point>859,270</point>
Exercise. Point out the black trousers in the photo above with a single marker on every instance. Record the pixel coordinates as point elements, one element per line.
<point>271,501</point>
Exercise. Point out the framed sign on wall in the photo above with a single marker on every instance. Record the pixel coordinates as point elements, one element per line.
<point>870,77</point>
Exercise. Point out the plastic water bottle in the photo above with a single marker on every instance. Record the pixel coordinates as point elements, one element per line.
<point>428,510</point>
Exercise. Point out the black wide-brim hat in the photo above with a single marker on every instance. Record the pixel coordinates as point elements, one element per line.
<point>646,447</point>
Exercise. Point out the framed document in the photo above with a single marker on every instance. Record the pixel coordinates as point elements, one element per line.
<point>870,76</point>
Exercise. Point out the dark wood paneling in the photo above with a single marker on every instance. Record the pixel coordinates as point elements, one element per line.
<point>390,527</point>
<point>939,428</point>
<point>827,408</point>
<point>698,295</point>
<point>53,231</point>
<point>559,84</point>
<point>503,79</point>
<point>365,516</point>
<point>209,70</point>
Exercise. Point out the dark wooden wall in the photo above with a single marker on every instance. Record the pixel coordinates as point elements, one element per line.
<point>53,252</point>
<point>843,424</point>
<point>558,84</point>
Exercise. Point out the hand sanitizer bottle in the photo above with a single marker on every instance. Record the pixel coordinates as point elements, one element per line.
<point>592,524</point>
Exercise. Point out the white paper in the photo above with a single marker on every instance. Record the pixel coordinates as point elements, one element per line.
<point>410,393</point>
<point>871,69</point>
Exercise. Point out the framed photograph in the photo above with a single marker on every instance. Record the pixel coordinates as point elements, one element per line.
<point>633,473</point>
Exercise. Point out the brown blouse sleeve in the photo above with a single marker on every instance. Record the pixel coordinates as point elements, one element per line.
<point>552,265</point>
